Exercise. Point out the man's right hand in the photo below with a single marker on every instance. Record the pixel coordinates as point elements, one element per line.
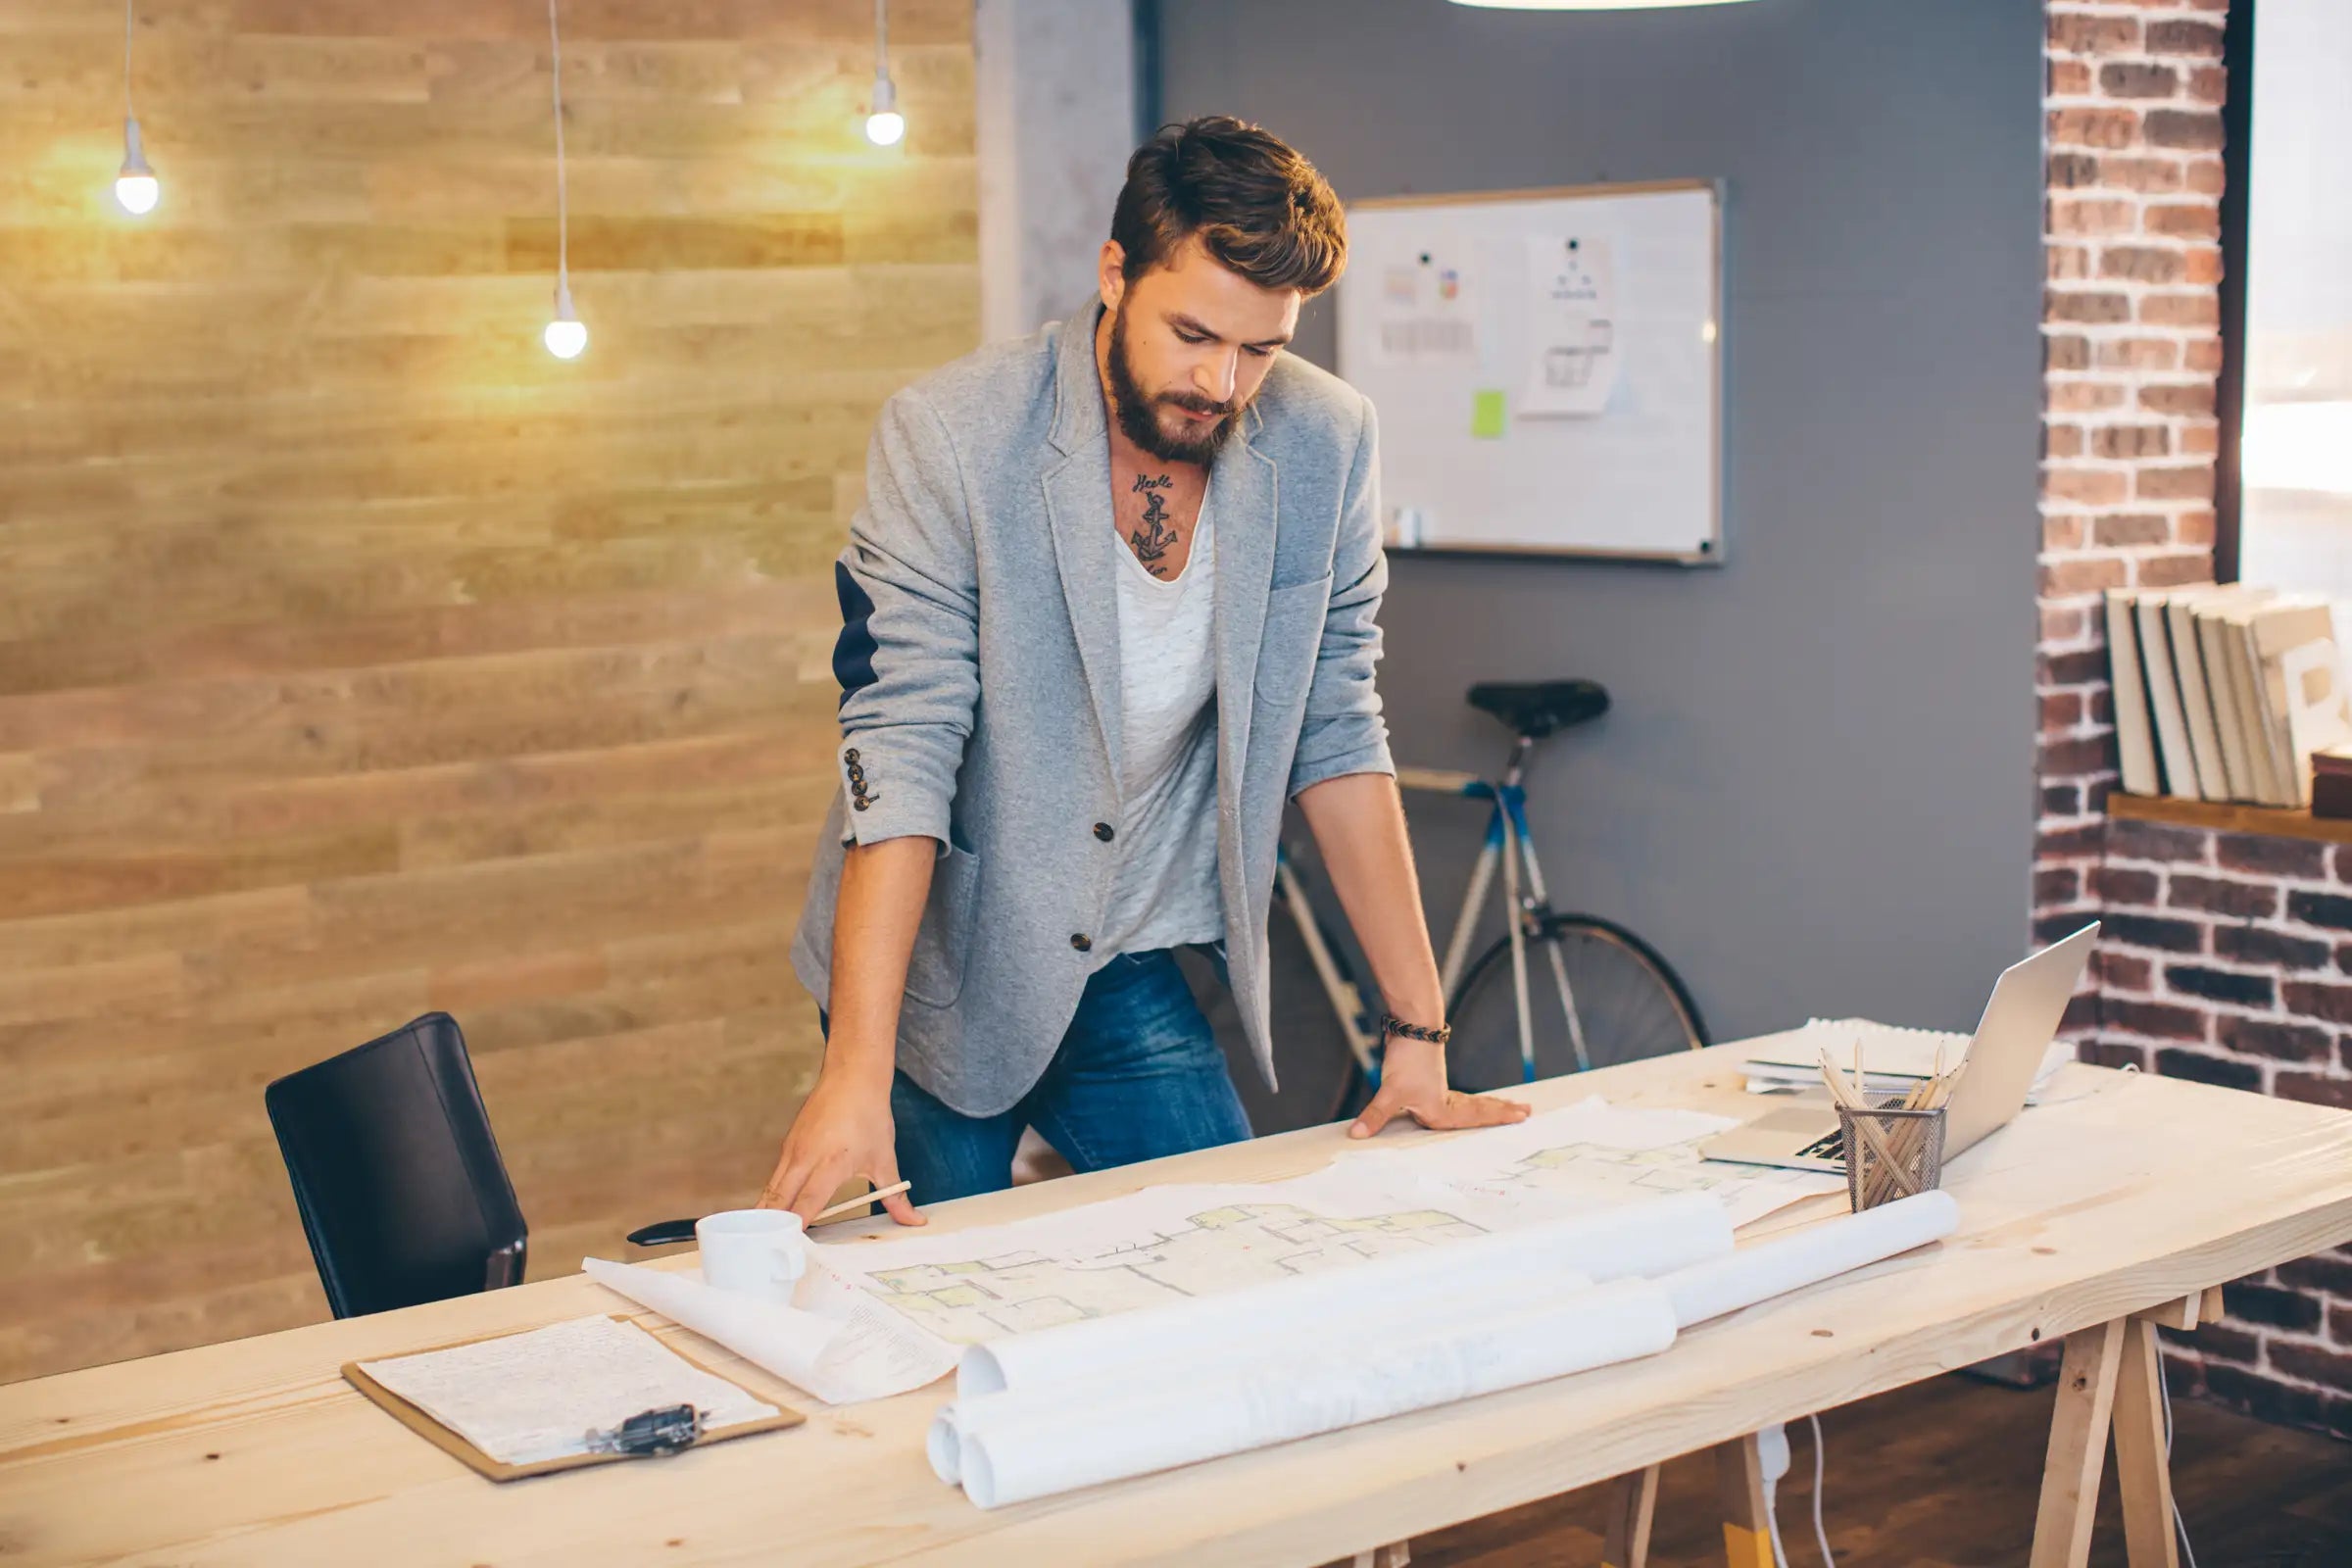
<point>844,1130</point>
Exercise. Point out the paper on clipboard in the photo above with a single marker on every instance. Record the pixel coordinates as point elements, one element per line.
<point>520,1403</point>
<point>1572,354</point>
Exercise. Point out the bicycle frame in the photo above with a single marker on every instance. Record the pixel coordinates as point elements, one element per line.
<point>1347,1001</point>
<point>1509,844</point>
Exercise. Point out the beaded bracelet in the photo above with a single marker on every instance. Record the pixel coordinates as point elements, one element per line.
<point>1391,1024</point>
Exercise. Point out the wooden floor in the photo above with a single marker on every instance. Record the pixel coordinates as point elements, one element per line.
<point>1945,1475</point>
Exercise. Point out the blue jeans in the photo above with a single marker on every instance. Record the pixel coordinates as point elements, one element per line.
<point>1139,1075</point>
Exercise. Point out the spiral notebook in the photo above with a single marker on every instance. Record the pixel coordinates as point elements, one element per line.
<point>1893,1057</point>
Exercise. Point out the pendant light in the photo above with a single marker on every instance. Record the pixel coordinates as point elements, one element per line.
<point>136,186</point>
<point>884,125</point>
<point>567,335</point>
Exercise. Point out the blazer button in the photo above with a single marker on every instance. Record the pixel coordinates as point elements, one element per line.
<point>850,756</point>
<point>1102,831</point>
<point>1082,941</point>
<point>859,804</point>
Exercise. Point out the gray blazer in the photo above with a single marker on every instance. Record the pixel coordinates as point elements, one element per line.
<point>979,665</point>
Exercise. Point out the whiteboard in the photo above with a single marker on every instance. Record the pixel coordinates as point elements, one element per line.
<point>1546,366</point>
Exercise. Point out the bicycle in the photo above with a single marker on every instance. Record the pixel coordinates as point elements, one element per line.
<point>1619,1000</point>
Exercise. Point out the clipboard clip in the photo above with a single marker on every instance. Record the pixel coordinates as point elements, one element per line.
<point>651,1434</point>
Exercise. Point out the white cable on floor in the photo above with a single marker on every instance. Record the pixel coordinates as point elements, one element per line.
<point>1771,1464</point>
<point>1772,1523</point>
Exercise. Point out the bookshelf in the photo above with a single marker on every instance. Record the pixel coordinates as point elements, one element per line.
<point>2230,817</point>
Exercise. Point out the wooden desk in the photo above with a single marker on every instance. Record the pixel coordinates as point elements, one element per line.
<point>2123,1194</point>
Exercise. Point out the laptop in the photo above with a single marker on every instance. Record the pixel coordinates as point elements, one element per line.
<point>2018,1024</point>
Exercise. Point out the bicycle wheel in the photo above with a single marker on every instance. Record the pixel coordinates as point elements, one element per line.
<point>1630,1002</point>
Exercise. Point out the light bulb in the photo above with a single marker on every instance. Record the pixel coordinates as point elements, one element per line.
<point>136,187</point>
<point>567,335</point>
<point>885,124</point>
<point>138,193</point>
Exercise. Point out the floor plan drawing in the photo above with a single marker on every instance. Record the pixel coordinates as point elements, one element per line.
<point>1223,1249</point>
<point>1164,1245</point>
<point>1593,1153</point>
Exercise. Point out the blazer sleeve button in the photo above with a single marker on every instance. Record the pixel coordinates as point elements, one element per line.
<point>1104,831</point>
<point>1082,941</point>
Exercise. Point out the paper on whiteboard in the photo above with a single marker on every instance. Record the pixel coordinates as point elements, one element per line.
<point>1424,313</point>
<point>1572,354</point>
<point>524,1397</point>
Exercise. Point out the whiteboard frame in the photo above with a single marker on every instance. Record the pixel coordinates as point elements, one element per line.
<point>1711,551</point>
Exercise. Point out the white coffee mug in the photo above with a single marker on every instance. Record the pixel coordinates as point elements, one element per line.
<point>753,1252</point>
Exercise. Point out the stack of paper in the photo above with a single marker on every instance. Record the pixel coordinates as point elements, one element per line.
<point>1892,1059</point>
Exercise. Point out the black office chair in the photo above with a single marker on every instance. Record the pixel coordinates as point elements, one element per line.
<point>402,1195</point>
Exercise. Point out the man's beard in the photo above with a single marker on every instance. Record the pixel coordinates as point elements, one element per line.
<point>1139,412</point>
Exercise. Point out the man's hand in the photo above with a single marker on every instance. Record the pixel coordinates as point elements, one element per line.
<point>1412,1082</point>
<point>844,1130</point>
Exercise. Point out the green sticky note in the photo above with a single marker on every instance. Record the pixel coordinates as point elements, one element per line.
<point>1486,414</point>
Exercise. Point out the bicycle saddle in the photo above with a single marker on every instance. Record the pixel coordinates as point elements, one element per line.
<point>1537,708</point>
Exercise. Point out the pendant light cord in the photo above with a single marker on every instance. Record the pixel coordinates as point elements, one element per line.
<point>881,37</point>
<point>554,39</point>
<point>128,8</point>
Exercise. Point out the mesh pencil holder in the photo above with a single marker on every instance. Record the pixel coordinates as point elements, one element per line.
<point>1904,1158</point>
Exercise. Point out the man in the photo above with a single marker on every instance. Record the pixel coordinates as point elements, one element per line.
<point>1109,603</point>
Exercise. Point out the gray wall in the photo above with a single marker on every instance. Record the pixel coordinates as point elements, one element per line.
<point>1816,791</point>
<point>1056,116</point>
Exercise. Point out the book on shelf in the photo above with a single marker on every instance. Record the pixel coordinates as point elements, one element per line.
<point>2245,686</point>
<point>2134,730</point>
<point>2196,697</point>
<point>2211,616</point>
<point>2161,670</point>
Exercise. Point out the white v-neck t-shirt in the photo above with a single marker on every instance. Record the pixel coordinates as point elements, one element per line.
<point>1164,892</point>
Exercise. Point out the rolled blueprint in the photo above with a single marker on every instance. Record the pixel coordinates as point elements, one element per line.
<point>1015,1447</point>
<point>1726,1284</point>
<point>943,1445</point>
<point>1195,1344</point>
<point>784,1339</point>
<point>1506,1270</point>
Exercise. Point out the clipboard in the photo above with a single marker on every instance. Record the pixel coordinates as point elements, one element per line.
<point>459,1448</point>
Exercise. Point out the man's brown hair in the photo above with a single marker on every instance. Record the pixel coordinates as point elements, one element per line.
<point>1247,195</point>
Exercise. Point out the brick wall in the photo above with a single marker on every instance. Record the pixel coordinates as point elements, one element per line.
<point>2130,349</point>
<point>2227,956</point>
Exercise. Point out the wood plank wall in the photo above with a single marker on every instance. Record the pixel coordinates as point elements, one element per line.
<point>358,657</point>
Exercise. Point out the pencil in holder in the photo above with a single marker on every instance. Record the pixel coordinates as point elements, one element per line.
<point>1891,1152</point>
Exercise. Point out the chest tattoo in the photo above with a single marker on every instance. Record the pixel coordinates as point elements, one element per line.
<point>1154,538</point>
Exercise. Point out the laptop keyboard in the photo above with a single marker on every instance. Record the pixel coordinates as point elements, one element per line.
<point>1829,1145</point>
